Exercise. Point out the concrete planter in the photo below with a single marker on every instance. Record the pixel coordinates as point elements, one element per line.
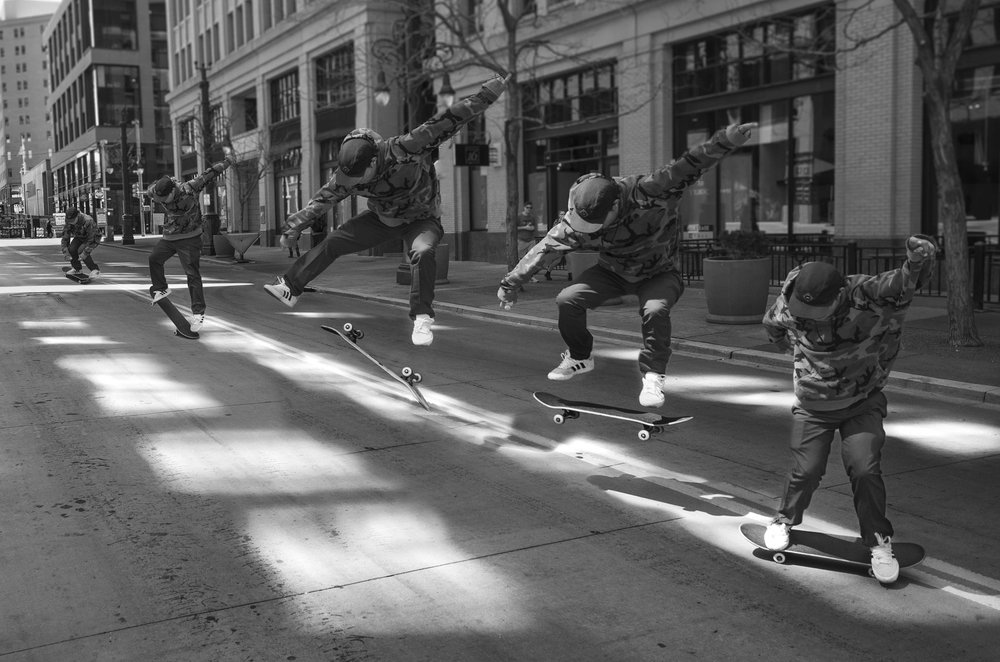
<point>736,290</point>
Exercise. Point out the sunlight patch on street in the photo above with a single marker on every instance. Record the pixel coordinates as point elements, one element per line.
<point>400,555</point>
<point>947,436</point>
<point>133,384</point>
<point>75,340</point>
<point>255,461</point>
<point>57,323</point>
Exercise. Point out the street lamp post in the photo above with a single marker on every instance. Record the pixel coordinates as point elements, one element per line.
<point>127,235</point>
<point>138,172</point>
<point>210,219</point>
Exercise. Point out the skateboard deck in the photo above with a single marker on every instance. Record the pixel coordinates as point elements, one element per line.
<point>651,422</point>
<point>182,327</point>
<point>406,376</point>
<point>844,550</point>
<point>83,279</point>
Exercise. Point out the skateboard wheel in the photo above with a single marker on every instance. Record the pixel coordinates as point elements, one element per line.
<point>643,435</point>
<point>406,372</point>
<point>417,378</point>
<point>348,327</point>
<point>778,557</point>
<point>559,419</point>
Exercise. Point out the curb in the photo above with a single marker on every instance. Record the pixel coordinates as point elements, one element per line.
<point>978,393</point>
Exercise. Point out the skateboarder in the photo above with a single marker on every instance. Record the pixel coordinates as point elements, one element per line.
<point>182,229</point>
<point>844,335</point>
<point>397,176</point>
<point>633,223</point>
<point>81,235</point>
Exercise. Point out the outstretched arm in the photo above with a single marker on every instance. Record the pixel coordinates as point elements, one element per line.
<point>446,123</point>
<point>675,177</point>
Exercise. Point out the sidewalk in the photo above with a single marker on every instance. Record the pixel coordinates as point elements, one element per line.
<point>926,363</point>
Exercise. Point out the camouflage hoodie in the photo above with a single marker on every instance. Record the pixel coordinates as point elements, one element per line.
<point>183,214</point>
<point>644,239</point>
<point>405,186</point>
<point>84,228</point>
<point>842,360</point>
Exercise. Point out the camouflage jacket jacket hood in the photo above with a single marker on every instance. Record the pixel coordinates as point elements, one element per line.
<point>841,361</point>
<point>643,241</point>
<point>84,228</point>
<point>183,214</point>
<point>405,187</point>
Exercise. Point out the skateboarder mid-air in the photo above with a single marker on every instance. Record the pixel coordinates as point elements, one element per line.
<point>398,178</point>
<point>633,223</point>
<point>182,229</point>
<point>81,235</point>
<point>844,335</point>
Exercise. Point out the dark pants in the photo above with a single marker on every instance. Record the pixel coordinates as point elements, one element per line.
<point>657,295</point>
<point>366,231</point>
<point>188,251</point>
<point>74,255</point>
<point>861,439</point>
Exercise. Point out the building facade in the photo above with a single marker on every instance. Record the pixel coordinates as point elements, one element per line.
<point>24,96</point>
<point>109,119</point>
<point>840,148</point>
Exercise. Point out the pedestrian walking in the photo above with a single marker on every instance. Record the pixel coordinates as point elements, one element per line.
<point>79,239</point>
<point>633,223</point>
<point>397,176</point>
<point>182,230</point>
<point>844,335</point>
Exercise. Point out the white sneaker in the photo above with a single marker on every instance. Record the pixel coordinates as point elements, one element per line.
<point>73,272</point>
<point>570,367</point>
<point>279,290</point>
<point>777,536</point>
<point>422,334</point>
<point>196,322</point>
<point>652,390</point>
<point>160,294</point>
<point>95,273</point>
<point>885,567</point>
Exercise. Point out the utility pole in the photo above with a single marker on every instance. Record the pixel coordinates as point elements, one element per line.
<point>127,236</point>
<point>138,172</point>
<point>210,219</point>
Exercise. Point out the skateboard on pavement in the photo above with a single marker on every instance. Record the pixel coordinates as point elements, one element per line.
<point>406,376</point>
<point>182,327</point>
<point>651,422</point>
<point>824,547</point>
<point>83,279</point>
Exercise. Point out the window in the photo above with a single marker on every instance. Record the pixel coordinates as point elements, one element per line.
<point>285,97</point>
<point>580,95</point>
<point>335,78</point>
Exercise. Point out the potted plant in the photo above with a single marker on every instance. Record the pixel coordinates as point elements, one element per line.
<point>738,277</point>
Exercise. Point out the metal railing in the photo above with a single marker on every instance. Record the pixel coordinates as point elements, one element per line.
<point>851,258</point>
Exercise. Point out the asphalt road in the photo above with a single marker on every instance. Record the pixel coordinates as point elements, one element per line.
<point>264,493</point>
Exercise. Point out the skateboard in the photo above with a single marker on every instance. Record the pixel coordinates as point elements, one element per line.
<point>824,547</point>
<point>83,279</point>
<point>182,326</point>
<point>406,376</point>
<point>651,422</point>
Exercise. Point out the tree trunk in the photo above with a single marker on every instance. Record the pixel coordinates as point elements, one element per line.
<point>951,211</point>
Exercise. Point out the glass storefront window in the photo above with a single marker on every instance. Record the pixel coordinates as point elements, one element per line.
<point>698,208</point>
<point>975,120</point>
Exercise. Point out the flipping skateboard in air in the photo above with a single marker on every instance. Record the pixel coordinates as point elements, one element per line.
<point>83,279</point>
<point>182,327</point>
<point>823,547</point>
<point>651,422</point>
<point>406,376</point>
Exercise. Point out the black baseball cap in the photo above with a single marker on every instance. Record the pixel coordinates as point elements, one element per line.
<point>163,186</point>
<point>591,200</point>
<point>816,290</point>
<point>356,154</point>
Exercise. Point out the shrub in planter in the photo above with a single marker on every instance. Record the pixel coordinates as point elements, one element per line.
<point>737,279</point>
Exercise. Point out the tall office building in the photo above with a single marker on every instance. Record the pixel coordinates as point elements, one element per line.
<point>109,77</point>
<point>24,94</point>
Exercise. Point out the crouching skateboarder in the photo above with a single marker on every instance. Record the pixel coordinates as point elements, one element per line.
<point>398,178</point>
<point>844,335</point>
<point>81,235</point>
